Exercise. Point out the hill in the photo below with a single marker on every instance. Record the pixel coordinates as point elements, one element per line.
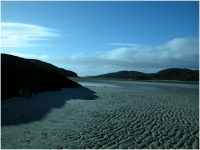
<point>18,73</point>
<point>177,74</point>
<point>125,75</point>
<point>50,67</point>
<point>166,74</point>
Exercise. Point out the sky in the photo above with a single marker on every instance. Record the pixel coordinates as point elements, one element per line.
<point>97,37</point>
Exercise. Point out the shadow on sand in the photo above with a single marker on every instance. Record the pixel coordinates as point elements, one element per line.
<point>19,110</point>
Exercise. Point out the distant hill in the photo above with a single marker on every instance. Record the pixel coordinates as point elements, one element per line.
<point>50,67</point>
<point>166,74</point>
<point>177,74</point>
<point>125,75</point>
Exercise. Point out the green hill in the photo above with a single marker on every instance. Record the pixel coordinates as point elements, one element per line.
<point>126,75</point>
<point>166,74</point>
<point>177,74</point>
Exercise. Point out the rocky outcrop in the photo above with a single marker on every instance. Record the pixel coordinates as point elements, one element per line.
<point>18,73</point>
<point>26,92</point>
<point>50,67</point>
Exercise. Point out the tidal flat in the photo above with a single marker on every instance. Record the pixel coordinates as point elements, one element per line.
<point>101,118</point>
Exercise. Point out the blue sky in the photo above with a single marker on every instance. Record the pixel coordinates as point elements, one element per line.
<point>97,37</point>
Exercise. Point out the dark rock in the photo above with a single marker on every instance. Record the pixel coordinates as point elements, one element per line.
<point>18,73</point>
<point>25,92</point>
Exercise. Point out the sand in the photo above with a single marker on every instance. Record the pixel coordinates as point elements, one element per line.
<point>101,118</point>
<point>183,84</point>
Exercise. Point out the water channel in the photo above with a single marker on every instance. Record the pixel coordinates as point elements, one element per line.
<point>159,88</point>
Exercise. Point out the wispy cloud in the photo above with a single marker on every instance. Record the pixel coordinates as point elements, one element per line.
<point>79,55</point>
<point>20,35</point>
<point>29,56</point>
<point>123,44</point>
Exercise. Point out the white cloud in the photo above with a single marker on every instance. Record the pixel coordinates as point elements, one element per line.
<point>29,56</point>
<point>43,56</point>
<point>177,53</point>
<point>79,55</point>
<point>20,35</point>
<point>179,48</point>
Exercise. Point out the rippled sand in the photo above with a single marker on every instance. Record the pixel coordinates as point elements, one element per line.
<point>107,118</point>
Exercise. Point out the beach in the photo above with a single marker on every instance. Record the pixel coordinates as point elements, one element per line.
<point>169,83</point>
<point>102,118</point>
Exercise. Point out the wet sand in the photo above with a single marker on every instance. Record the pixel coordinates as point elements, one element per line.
<point>101,118</point>
<point>183,84</point>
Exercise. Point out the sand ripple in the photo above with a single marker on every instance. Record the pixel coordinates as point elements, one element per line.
<point>119,118</point>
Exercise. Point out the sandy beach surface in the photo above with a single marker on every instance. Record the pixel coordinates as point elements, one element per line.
<point>169,83</point>
<point>101,118</point>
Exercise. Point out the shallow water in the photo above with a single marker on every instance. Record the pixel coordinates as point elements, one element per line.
<point>167,81</point>
<point>159,88</point>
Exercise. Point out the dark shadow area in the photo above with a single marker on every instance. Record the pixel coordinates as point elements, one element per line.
<point>18,73</point>
<point>17,110</point>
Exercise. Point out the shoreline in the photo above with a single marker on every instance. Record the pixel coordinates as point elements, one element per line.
<point>100,118</point>
<point>133,82</point>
